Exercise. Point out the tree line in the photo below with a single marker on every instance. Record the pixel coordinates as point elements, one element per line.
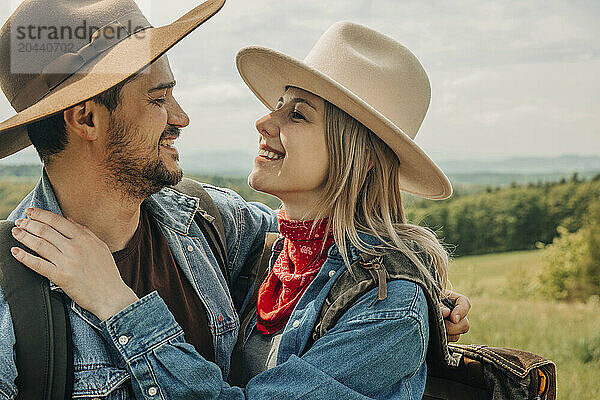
<point>507,219</point>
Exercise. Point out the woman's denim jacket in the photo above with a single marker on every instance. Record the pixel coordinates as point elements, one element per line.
<point>100,371</point>
<point>376,350</point>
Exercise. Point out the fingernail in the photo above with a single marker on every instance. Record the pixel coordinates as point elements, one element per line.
<point>14,251</point>
<point>29,211</point>
<point>20,222</point>
<point>15,231</point>
<point>456,318</point>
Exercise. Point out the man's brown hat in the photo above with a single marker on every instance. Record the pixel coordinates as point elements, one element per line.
<point>55,54</point>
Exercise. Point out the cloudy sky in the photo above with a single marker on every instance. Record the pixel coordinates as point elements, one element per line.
<point>508,78</point>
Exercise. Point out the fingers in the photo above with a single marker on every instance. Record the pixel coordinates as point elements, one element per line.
<point>453,338</point>
<point>462,305</point>
<point>43,231</point>
<point>445,310</point>
<point>453,295</point>
<point>457,329</point>
<point>37,264</point>
<point>58,223</point>
<point>38,245</point>
<point>456,321</point>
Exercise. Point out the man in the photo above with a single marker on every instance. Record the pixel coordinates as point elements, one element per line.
<point>103,120</point>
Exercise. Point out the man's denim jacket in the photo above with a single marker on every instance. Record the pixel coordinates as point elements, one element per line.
<point>100,372</point>
<point>376,350</point>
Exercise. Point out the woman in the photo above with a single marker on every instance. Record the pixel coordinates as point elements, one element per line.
<point>339,181</point>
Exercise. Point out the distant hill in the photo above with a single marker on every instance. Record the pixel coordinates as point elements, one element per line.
<point>234,164</point>
<point>519,170</point>
<point>242,162</point>
<point>469,175</point>
<point>524,165</point>
<point>20,173</point>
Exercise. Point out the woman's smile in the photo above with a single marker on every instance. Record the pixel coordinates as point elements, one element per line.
<point>269,153</point>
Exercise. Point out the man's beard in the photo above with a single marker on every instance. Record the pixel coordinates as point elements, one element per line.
<point>134,175</point>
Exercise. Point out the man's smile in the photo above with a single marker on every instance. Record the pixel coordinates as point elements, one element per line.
<point>168,143</point>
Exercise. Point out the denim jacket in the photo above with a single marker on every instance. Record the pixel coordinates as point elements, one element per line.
<point>100,372</point>
<point>374,351</point>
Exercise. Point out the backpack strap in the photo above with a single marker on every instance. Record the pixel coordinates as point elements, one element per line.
<point>44,353</point>
<point>211,223</point>
<point>259,271</point>
<point>209,220</point>
<point>370,272</point>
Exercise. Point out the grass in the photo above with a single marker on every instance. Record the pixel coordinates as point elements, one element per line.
<point>507,312</point>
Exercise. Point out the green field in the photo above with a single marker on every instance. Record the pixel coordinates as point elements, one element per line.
<point>507,312</point>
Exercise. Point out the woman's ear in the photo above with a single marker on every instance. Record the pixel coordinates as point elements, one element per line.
<point>79,119</point>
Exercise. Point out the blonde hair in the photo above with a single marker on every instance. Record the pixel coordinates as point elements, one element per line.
<point>362,194</point>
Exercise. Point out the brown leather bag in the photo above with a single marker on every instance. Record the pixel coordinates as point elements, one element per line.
<point>491,373</point>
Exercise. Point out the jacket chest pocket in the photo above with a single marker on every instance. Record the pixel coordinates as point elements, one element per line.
<point>94,381</point>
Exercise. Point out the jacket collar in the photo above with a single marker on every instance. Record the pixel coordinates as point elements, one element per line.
<point>174,209</point>
<point>353,252</point>
<point>169,207</point>
<point>43,195</point>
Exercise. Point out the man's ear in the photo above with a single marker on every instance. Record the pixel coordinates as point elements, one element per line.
<point>79,119</point>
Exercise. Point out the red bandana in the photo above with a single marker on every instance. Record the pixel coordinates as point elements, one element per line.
<point>295,268</point>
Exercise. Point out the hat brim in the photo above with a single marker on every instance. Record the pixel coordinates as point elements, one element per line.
<point>268,72</point>
<point>132,55</point>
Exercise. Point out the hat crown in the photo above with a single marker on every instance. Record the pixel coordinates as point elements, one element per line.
<point>382,72</point>
<point>60,26</point>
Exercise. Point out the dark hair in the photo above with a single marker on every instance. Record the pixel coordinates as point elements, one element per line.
<point>49,135</point>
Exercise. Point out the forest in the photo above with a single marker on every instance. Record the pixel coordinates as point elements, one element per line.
<point>507,219</point>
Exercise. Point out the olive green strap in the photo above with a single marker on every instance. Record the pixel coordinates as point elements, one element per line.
<point>260,271</point>
<point>43,348</point>
<point>209,220</point>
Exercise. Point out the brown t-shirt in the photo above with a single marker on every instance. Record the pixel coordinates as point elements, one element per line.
<point>147,264</point>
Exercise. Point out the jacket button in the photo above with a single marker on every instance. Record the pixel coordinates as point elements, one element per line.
<point>152,391</point>
<point>123,340</point>
<point>331,273</point>
<point>296,324</point>
<point>190,248</point>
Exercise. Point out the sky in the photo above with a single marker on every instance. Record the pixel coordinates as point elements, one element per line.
<point>509,78</point>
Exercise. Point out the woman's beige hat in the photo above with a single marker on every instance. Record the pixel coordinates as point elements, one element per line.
<point>55,54</point>
<point>373,78</point>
